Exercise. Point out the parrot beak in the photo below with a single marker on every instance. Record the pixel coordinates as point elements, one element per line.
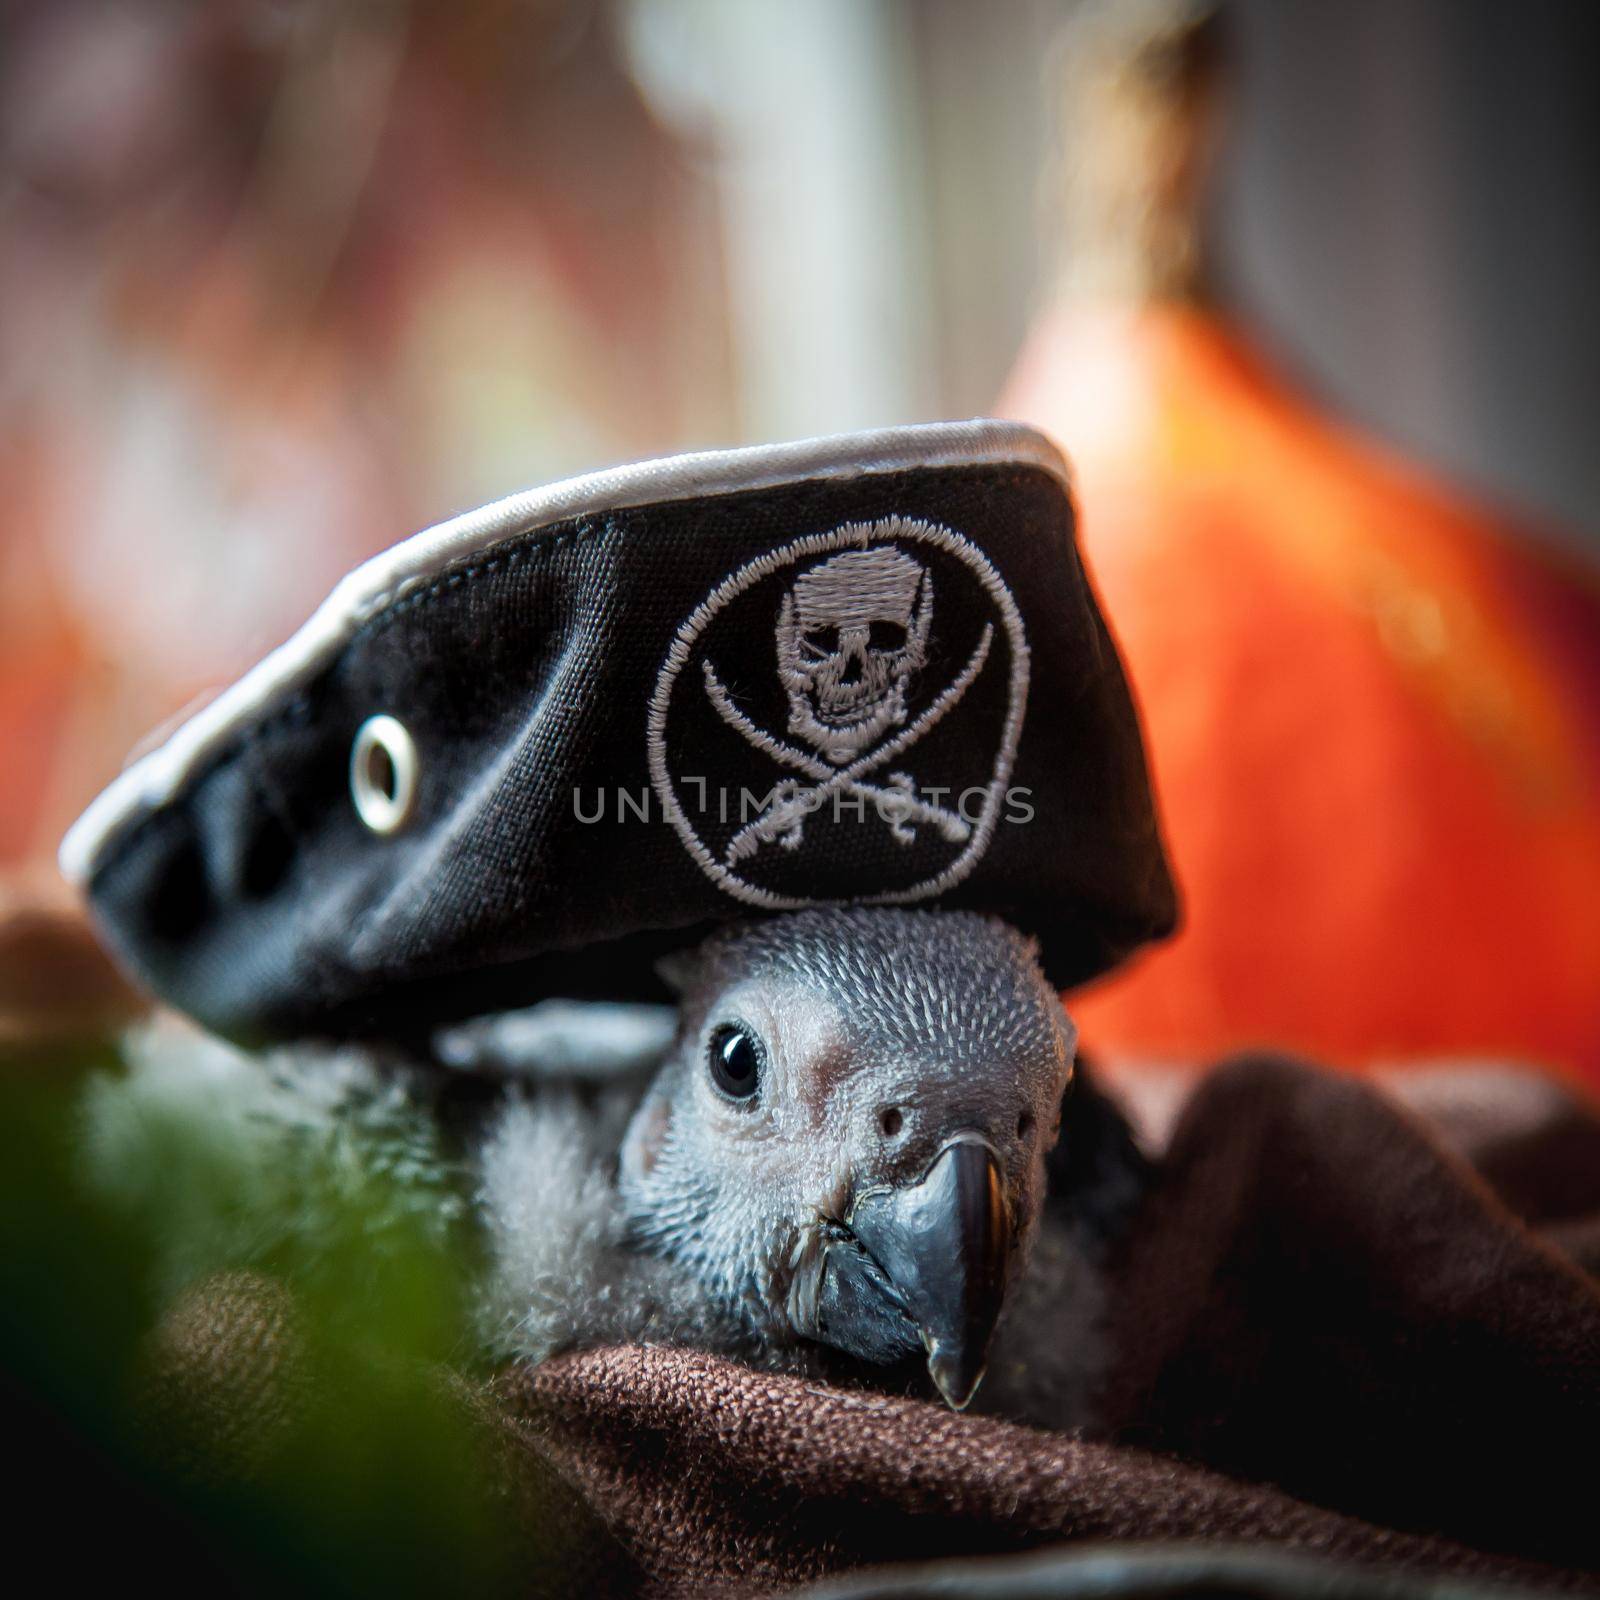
<point>934,1254</point>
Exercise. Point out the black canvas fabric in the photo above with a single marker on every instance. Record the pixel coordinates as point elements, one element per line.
<point>537,673</point>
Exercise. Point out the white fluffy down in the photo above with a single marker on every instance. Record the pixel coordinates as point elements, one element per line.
<point>561,1274</point>
<point>228,1156</point>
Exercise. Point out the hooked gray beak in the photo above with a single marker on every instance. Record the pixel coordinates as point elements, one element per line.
<point>924,1262</point>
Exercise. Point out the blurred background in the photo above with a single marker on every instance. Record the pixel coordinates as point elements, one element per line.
<point>1306,290</point>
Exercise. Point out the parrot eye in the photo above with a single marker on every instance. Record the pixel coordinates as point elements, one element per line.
<point>736,1057</point>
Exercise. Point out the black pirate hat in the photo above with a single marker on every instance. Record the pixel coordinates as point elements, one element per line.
<point>531,749</point>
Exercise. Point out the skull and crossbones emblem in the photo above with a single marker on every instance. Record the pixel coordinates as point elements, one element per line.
<point>852,633</point>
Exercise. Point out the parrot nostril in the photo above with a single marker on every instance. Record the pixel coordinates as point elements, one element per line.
<point>891,1121</point>
<point>1024,1124</point>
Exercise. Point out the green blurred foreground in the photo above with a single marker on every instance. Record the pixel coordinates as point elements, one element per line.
<point>299,1422</point>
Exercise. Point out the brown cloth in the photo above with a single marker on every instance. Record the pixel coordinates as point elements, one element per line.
<point>1332,1338</point>
<point>1322,1297</point>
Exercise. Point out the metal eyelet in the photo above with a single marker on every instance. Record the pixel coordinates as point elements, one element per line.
<point>383,774</point>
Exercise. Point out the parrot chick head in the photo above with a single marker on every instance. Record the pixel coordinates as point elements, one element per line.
<point>847,1144</point>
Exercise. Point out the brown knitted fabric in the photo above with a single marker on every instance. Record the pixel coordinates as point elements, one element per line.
<point>223,1376</point>
<point>1322,1297</point>
<point>729,1482</point>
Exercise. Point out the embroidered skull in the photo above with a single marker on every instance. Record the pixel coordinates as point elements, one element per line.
<point>851,632</point>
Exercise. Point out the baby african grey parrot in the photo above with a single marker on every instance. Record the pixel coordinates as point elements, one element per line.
<point>847,1163</point>
<point>863,1153</point>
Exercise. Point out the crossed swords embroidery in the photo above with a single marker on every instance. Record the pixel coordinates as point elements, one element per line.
<point>850,634</point>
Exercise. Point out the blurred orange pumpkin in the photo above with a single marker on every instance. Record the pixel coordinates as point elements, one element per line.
<point>1372,708</point>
